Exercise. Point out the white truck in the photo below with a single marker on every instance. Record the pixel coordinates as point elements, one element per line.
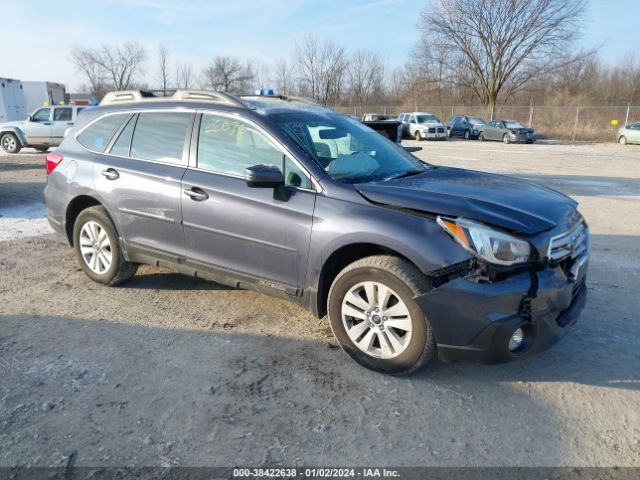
<point>39,94</point>
<point>12,101</point>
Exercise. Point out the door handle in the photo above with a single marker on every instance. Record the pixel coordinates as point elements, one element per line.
<point>46,123</point>
<point>110,174</point>
<point>70,123</point>
<point>196,194</point>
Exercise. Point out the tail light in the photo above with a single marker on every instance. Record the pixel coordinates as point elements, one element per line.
<point>52,161</point>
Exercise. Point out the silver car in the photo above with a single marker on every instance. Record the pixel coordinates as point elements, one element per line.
<point>42,129</point>
<point>629,133</point>
<point>422,125</point>
<point>507,131</point>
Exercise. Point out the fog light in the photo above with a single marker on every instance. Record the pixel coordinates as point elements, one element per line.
<point>516,340</point>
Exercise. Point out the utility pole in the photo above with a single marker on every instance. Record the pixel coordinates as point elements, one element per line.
<point>626,119</point>
<point>531,113</point>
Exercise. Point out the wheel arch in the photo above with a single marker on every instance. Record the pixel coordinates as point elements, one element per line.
<point>17,132</point>
<point>338,260</point>
<point>74,208</point>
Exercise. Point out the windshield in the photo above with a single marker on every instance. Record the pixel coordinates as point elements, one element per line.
<point>476,121</point>
<point>347,150</point>
<point>512,124</point>
<point>428,119</point>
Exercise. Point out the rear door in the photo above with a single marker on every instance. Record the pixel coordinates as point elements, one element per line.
<point>262,233</point>
<point>62,119</point>
<point>140,176</point>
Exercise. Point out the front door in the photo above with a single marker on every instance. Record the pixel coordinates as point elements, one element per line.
<point>262,233</point>
<point>38,129</point>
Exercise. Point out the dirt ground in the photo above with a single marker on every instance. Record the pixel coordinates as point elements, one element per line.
<point>168,370</point>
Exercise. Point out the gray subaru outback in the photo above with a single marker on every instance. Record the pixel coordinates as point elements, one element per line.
<point>410,261</point>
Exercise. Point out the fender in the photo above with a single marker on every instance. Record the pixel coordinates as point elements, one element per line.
<point>18,133</point>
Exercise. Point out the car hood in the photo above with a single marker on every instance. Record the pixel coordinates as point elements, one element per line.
<point>12,124</point>
<point>431,124</point>
<point>506,202</point>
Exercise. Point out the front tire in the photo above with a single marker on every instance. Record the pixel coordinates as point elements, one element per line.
<point>417,135</point>
<point>10,143</point>
<point>375,319</point>
<point>506,138</point>
<point>95,241</point>
<point>622,140</point>
<point>481,137</point>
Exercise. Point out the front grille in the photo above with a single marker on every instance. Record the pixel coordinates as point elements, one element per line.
<point>432,130</point>
<point>440,129</point>
<point>571,243</point>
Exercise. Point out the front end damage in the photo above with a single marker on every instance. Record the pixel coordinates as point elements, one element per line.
<point>475,309</point>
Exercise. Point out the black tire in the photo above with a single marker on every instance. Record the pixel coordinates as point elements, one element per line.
<point>408,282</point>
<point>481,137</point>
<point>622,140</point>
<point>417,135</point>
<point>120,270</point>
<point>467,134</point>
<point>10,143</point>
<point>506,138</point>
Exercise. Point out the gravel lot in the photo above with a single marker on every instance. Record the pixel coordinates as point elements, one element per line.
<point>168,370</point>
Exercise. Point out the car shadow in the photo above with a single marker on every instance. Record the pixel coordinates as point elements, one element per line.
<point>119,393</point>
<point>151,279</point>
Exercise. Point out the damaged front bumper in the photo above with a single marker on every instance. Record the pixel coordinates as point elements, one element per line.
<point>473,321</point>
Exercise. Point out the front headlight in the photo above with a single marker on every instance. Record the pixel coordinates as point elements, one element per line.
<point>485,242</point>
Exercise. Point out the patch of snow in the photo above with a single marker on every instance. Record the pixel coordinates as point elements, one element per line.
<point>23,221</point>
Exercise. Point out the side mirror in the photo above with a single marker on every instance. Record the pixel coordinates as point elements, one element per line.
<point>263,176</point>
<point>29,118</point>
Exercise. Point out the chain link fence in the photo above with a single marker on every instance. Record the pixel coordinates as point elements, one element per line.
<point>561,123</point>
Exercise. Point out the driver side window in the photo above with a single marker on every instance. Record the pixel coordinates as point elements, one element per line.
<point>42,115</point>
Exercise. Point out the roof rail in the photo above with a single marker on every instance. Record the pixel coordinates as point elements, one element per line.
<point>284,98</point>
<point>128,96</point>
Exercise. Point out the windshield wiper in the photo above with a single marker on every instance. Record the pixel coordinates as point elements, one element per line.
<point>408,173</point>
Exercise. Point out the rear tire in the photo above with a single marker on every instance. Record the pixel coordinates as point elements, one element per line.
<point>622,140</point>
<point>397,343</point>
<point>481,137</point>
<point>467,135</point>
<point>506,138</point>
<point>98,250</point>
<point>10,143</point>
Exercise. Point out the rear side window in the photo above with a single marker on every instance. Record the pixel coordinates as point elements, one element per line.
<point>122,145</point>
<point>96,136</point>
<point>161,136</point>
<point>62,115</point>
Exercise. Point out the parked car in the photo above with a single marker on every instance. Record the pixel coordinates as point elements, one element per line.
<point>629,133</point>
<point>43,129</point>
<point>409,260</point>
<point>465,126</point>
<point>507,131</point>
<point>386,125</point>
<point>421,126</point>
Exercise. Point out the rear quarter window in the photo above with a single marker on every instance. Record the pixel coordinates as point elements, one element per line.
<point>161,136</point>
<point>97,135</point>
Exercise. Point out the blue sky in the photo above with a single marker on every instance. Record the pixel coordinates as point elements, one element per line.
<point>41,33</point>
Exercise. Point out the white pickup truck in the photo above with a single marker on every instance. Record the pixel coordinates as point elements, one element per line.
<point>42,129</point>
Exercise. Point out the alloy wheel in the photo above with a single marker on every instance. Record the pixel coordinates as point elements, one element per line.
<point>376,320</point>
<point>95,247</point>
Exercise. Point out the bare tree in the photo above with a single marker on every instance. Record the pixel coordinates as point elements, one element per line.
<point>228,74</point>
<point>163,66</point>
<point>365,72</point>
<point>184,76</point>
<point>504,43</point>
<point>322,67</point>
<point>283,80</point>
<point>113,67</point>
